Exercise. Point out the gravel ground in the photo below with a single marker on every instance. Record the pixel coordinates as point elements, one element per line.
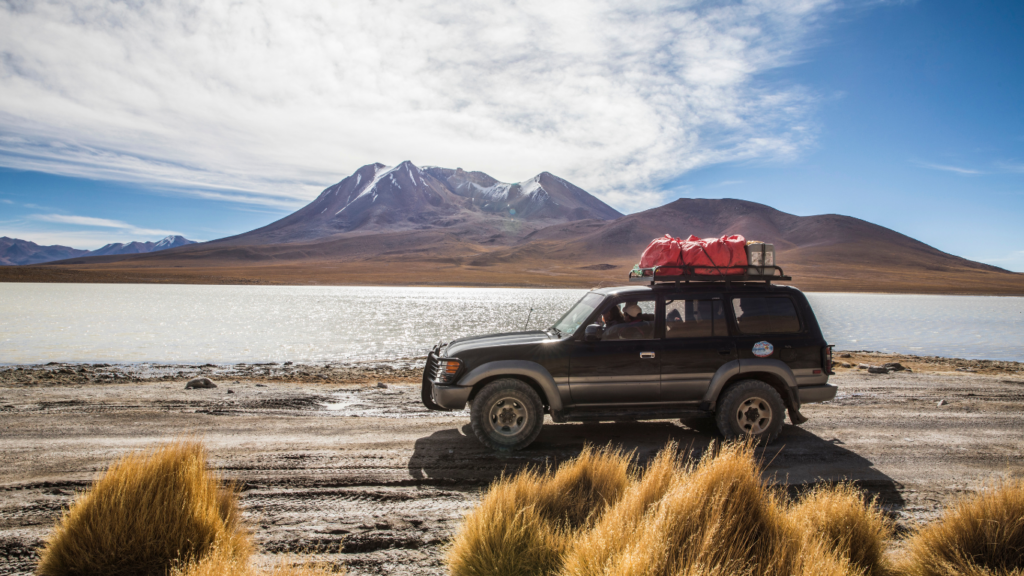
<point>330,461</point>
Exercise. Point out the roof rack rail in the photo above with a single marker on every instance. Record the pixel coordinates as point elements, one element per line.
<point>766,274</point>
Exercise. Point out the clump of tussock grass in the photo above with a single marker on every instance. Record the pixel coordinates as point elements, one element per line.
<point>593,550</point>
<point>982,535</point>
<point>148,510</point>
<point>525,522</point>
<point>716,517</point>
<point>838,522</point>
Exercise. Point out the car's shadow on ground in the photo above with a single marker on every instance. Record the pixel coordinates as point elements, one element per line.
<point>798,458</point>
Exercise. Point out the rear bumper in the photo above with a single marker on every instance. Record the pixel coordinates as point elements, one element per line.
<point>817,393</point>
<point>451,397</point>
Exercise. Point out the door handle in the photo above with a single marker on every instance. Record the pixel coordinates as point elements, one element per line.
<point>725,352</point>
<point>647,354</point>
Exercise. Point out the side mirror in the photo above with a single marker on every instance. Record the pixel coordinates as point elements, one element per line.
<point>593,333</point>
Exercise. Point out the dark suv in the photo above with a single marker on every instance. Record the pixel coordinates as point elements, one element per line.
<point>741,351</point>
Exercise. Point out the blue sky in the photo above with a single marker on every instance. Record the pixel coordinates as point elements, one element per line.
<point>126,123</point>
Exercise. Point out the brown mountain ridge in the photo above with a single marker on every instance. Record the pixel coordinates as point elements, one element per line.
<point>405,225</point>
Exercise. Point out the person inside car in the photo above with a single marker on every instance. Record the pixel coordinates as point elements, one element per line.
<point>611,317</point>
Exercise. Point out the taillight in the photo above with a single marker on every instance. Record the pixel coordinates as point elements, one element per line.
<point>446,370</point>
<point>828,359</point>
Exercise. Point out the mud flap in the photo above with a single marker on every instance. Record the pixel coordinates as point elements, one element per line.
<point>796,417</point>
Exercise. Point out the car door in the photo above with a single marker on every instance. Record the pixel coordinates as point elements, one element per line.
<point>696,345</point>
<point>623,367</point>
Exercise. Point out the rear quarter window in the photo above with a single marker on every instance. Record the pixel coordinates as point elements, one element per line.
<point>765,315</point>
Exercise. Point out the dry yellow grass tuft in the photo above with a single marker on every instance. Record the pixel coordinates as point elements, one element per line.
<point>595,549</point>
<point>982,535</point>
<point>524,523</point>
<point>835,520</point>
<point>149,510</point>
<point>715,517</point>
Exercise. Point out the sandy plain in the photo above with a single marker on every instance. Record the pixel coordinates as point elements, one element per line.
<point>327,459</point>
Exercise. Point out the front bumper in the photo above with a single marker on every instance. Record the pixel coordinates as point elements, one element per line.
<point>450,397</point>
<point>817,393</point>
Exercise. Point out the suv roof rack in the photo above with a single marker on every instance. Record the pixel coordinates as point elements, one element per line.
<point>766,274</point>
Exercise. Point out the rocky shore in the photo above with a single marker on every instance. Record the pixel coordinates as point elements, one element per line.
<point>407,370</point>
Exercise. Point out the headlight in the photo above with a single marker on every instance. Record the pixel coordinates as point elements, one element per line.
<point>446,370</point>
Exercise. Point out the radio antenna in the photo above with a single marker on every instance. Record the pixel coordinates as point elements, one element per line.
<point>528,318</point>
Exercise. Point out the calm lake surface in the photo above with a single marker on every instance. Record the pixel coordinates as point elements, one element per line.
<point>223,324</point>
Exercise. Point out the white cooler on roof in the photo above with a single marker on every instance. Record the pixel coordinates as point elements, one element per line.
<point>760,255</point>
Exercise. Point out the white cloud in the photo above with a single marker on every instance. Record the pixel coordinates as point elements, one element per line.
<point>1017,167</point>
<point>99,222</point>
<point>269,102</point>
<point>946,168</point>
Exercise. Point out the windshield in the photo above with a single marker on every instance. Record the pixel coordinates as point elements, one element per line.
<point>579,313</point>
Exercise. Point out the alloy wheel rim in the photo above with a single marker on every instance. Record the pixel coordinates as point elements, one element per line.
<point>754,415</point>
<point>508,416</point>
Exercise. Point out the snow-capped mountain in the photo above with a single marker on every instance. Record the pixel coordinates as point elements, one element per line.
<point>15,252</point>
<point>141,247</point>
<point>405,197</point>
<point>543,196</point>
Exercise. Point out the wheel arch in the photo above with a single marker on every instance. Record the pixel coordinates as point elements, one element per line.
<point>531,373</point>
<point>772,372</point>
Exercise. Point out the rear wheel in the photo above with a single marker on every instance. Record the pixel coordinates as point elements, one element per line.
<point>507,415</point>
<point>750,408</point>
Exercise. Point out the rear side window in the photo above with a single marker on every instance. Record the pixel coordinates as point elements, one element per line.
<point>694,319</point>
<point>765,315</point>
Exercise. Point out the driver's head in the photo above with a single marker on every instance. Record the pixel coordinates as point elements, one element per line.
<point>631,311</point>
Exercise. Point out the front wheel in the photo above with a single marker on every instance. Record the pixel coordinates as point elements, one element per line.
<point>507,415</point>
<point>750,408</point>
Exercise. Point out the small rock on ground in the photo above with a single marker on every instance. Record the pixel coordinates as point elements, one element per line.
<point>203,382</point>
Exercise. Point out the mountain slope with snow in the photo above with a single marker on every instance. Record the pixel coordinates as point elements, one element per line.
<point>141,247</point>
<point>378,198</point>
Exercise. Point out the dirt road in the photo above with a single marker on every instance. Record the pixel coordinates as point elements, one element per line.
<point>328,459</point>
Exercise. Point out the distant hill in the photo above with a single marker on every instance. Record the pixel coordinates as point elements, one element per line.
<point>15,252</point>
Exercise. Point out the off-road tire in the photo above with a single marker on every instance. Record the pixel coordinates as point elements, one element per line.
<point>750,408</point>
<point>507,415</point>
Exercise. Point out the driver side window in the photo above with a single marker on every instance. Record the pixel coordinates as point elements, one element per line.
<point>628,320</point>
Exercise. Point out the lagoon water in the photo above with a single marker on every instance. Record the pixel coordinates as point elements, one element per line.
<point>224,324</point>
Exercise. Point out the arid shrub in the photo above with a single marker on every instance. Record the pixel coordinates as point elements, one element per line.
<point>524,523</point>
<point>845,526</point>
<point>149,510</point>
<point>591,553</point>
<point>982,535</point>
<point>580,490</point>
<point>720,518</point>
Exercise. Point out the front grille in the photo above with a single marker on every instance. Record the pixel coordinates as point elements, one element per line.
<point>430,370</point>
